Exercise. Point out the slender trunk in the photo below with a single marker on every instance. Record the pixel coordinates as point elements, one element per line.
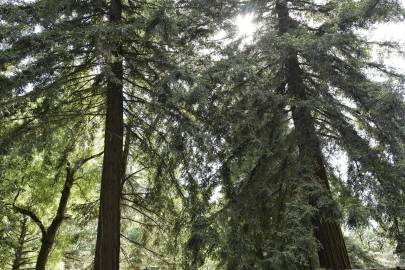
<point>125,154</point>
<point>108,235</point>
<point>18,259</point>
<point>194,259</point>
<point>332,253</point>
<point>49,235</point>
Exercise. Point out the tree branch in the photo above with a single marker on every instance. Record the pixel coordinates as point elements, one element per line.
<point>33,217</point>
<point>81,162</point>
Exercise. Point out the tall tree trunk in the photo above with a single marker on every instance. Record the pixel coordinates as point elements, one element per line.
<point>108,235</point>
<point>18,254</point>
<point>332,253</point>
<point>49,235</point>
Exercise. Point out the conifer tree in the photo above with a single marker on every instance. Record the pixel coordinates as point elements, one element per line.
<point>75,59</point>
<point>309,68</point>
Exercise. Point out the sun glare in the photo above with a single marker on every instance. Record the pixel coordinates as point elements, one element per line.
<point>245,24</point>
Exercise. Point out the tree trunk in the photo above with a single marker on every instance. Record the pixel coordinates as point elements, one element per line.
<point>45,250</point>
<point>48,236</point>
<point>108,235</point>
<point>332,253</point>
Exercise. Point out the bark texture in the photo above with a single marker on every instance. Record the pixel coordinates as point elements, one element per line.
<point>108,234</point>
<point>332,253</point>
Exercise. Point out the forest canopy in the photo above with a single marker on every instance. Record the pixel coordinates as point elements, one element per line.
<point>190,134</point>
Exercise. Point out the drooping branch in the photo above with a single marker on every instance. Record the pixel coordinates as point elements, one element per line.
<point>32,215</point>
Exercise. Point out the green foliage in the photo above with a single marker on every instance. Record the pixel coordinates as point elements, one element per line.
<point>215,171</point>
<point>370,249</point>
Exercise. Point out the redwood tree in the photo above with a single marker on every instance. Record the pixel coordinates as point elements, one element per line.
<point>297,96</point>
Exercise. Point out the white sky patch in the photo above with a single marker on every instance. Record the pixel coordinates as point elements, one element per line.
<point>220,35</point>
<point>339,161</point>
<point>28,88</point>
<point>216,194</point>
<point>392,31</point>
<point>38,29</point>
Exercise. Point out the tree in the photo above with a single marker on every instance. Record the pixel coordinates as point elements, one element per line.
<point>49,233</point>
<point>69,59</point>
<point>332,253</point>
<point>19,243</point>
<point>307,82</point>
<point>34,189</point>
